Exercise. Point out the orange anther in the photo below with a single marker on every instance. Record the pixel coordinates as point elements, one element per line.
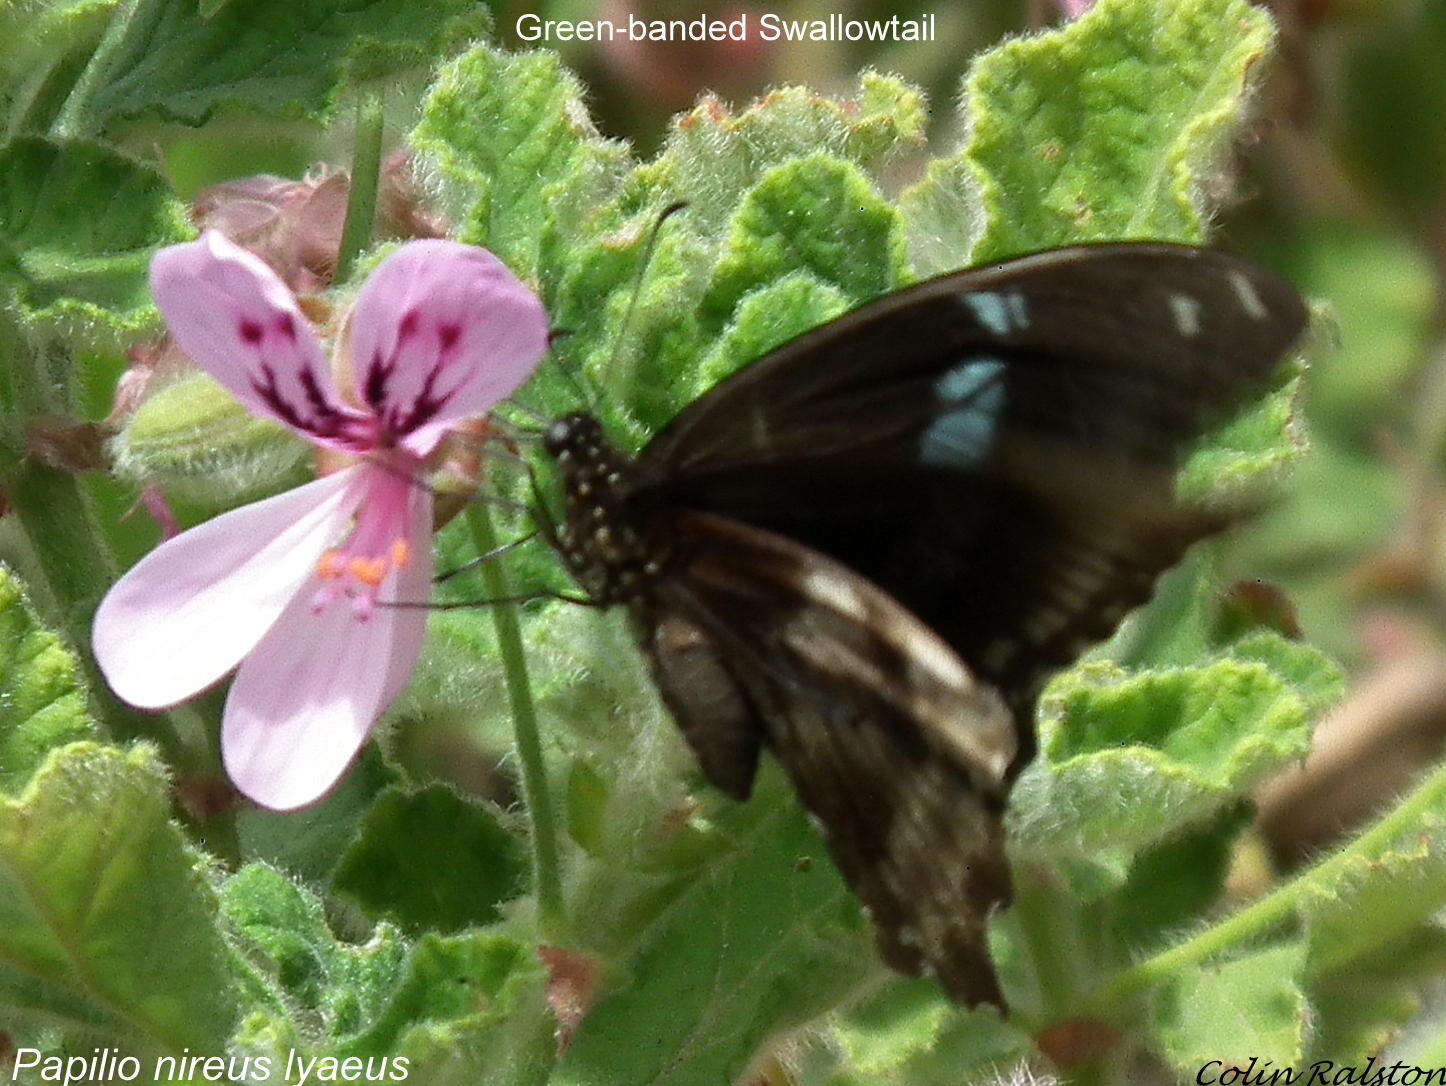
<point>329,566</point>
<point>401,553</point>
<point>368,571</point>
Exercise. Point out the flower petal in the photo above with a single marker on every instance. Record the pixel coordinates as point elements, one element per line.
<point>306,698</point>
<point>187,613</point>
<point>441,332</point>
<point>235,318</point>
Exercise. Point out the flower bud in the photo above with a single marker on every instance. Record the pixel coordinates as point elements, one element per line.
<point>192,437</point>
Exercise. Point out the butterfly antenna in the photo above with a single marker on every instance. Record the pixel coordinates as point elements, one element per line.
<point>575,378</point>
<point>648,249</point>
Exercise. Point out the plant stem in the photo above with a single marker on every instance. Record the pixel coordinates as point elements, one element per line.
<point>72,122</point>
<point>55,514</point>
<point>361,201</point>
<point>1047,927</point>
<point>545,868</point>
<point>1275,907</point>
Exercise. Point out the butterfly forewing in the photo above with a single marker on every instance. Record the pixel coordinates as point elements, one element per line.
<point>996,448</point>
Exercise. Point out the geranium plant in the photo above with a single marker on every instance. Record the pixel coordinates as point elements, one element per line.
<point>523,879</point>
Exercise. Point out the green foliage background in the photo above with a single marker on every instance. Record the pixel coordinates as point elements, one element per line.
<point>1163,920</point>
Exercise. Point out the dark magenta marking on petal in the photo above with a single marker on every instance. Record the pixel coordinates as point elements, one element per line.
<point>375,388</point>
<point>271,394</point>
<point>407,326</point>
<point>326,421</point>
<point>250,331</point>
<point>286,325</point>
<point>314,395</point>
<point>448,335</point>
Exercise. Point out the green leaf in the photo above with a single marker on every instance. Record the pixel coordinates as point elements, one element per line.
<point>473,1000</point>
<point>47,45</point>
<point>509,130</point>
<point>1114,126</point>
<point>309,843</point>
<point>431,860</point>
<point>78,225</point>
<point>1357,1015</point>
<point>452,1005</point>
<point>285,58</point>
<point>1171,883</point>
<point>1399,888</point>
<point>1248,452</point>
<point>1130,758</point>
<point>767,317</point>
<point>760,938</point>
<point>1250,1006</point>
<point>909,1034</point>
<point>819,216</point>
<point>712,156</point>
<point>348,987</point>
<point>105,918</point>
<point>41,703</point>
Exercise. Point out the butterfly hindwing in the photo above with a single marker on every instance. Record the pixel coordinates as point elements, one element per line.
<point>887,738</point>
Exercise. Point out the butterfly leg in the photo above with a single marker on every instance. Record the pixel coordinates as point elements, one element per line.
<point>481,559</point>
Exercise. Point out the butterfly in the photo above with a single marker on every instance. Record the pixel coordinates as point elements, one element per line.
<point>867,550</point>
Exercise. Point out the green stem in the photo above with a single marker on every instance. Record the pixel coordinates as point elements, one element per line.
<point>1050,937</point>
<point>1277,907</point>
<point>545,868</point>
<point>72,120</point>
<point>361,203</point>
<point>54,512</point>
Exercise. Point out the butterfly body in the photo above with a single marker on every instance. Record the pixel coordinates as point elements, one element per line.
<point>867,550</point>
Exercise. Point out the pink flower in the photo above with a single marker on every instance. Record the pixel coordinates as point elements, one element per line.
<point>287,587</point>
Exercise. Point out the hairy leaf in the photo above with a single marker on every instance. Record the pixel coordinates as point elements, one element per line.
<point>41,703</point>
<point>78,225</point>
<point>1248,1007</point>
<point>105,919</point>
<point>758,939</point>
<point>431,861</point>
<point>285,58</point>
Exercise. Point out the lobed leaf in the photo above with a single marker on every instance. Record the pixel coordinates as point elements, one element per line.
<point>285,58</point>
<point>1250,1007</point>
<point>308,844</point>
<point>48,43</point>
<point>768,317</point>
<point>430,860</point>
<point>1129,758</point>
<point>760,938</point>
<point>815,215</point>
<point>908,1033</point>
<point>1114,126</point>
<point>712,155</point>
<point>94,878</point>
<point>510,131</point>
<point>452,1005</point>
<point>42,704</point>
<point>78,225</point>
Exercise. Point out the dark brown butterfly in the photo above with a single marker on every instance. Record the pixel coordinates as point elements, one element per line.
<point>866,550</point>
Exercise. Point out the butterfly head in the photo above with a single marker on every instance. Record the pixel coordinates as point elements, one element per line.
<point>609,553</point>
